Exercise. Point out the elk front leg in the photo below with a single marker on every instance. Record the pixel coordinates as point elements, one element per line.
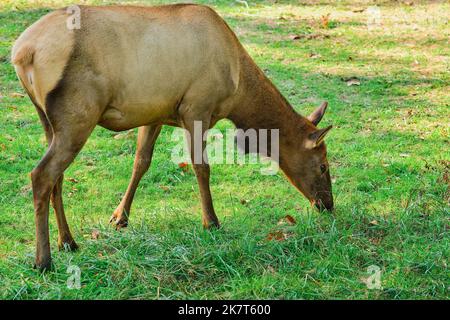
<point>65,239</point>
<point>196,145</point>
<point>144,151</point>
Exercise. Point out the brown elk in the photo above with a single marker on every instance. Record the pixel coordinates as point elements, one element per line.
<point>128,67</point>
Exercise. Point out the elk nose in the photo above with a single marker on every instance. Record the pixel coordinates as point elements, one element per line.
<point>321,206</point>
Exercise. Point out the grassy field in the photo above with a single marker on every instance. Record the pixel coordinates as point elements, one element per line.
<point>387,84</point>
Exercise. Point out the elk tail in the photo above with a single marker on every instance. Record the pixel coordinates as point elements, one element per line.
<point>23,56</point>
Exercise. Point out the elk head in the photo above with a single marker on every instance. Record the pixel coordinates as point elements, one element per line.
<point>305,162</point>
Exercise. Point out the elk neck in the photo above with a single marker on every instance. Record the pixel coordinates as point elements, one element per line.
<point>259,105</point>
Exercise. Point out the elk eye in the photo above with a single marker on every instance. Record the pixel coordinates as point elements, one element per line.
<point>323,168</point>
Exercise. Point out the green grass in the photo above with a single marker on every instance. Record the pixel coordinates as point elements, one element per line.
<point>389,156</point>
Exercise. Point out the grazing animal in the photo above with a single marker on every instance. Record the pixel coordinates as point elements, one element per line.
<point>128,67</point>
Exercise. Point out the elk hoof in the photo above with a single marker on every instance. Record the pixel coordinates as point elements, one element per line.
<point>119,220</point>
<point>43,266</point>
<point>67,245</point>
<point>211,225</point>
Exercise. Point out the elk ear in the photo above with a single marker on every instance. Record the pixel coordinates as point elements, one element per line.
<point>316,138</point>
<point>317,115</point>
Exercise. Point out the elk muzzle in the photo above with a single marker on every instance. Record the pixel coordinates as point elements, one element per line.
<point>324,201</point>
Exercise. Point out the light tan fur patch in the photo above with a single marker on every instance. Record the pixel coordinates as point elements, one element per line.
<point>41,52</point>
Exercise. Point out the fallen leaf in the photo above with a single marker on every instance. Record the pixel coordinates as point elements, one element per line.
<point>312,271</point>
<point>353,81</point>
<point>95,234</point>
<point>375,241</point>
<point>288,219</point>
<point>374,222</point>
<point>325,21</point>
<point>278,236</point>
<point>271,270</point>
<point>364,280</point>
<point>358,10</point>
<point>17,95</point>
<point>275,236</point>
<point>309,36</point>
<point>243,201</point>
<point>183,166</point>
<point>272,23</point>
<point>124,135</point>
<point>165,188</point>
<point>404,155</point>
<point>9,138</point>
<point>26,189</point>
<point>314,55</point>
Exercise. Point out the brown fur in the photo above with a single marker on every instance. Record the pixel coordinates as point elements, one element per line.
<point>145,67</point>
